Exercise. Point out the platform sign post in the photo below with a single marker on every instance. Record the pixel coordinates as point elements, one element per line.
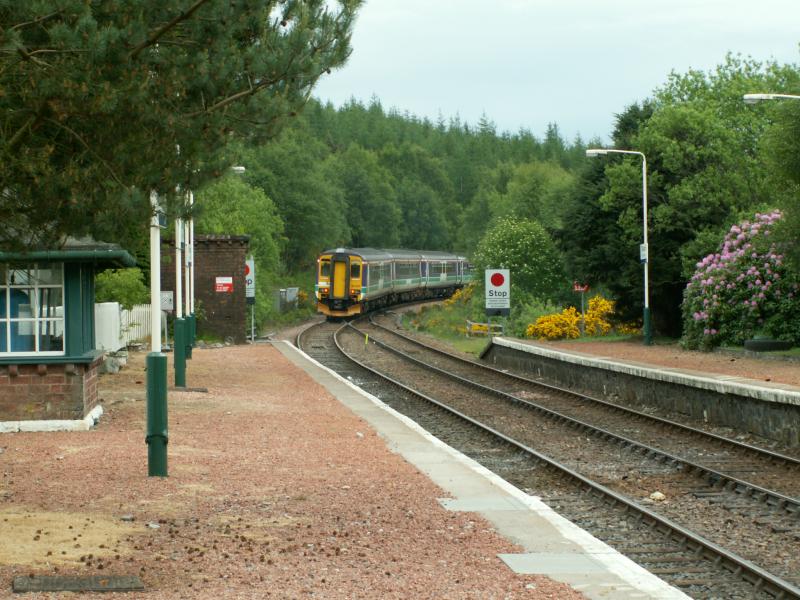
<point>498,294</point>
<point>582,288</point>
<point>250,293</point>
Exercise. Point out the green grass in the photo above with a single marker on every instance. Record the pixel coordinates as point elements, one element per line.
<point>470,345</point>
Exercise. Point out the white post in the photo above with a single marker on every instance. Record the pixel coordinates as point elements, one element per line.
<point>178,300</point>
<point>187,259</point>
<point>644,225</point>
<point>191,266</point>
<point>155,277</point>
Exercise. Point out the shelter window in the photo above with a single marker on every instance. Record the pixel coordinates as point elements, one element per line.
<point>325,268</point>
<point>355,270</point>
<point>31,309</point>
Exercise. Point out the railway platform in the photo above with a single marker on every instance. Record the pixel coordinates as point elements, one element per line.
<point>548,544</point>
<point>725,398</point>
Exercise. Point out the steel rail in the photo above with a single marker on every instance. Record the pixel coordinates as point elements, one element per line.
<point>770,497</point>
<point>762,452</point>
<point>739,566</point>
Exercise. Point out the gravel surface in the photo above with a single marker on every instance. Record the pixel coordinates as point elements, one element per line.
<point>274,490</point>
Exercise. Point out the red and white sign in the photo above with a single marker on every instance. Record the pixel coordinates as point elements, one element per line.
<point>498,288</point>
<point>224,285</point>
<point>250,278</point>
<point>580,287</point>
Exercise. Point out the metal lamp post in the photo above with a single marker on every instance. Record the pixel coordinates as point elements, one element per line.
<point>157,434</point>
<point>643,249</point>
<point>179,352</point>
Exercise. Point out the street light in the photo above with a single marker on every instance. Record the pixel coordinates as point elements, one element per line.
<point>643,249</point>
<point>756,98</point>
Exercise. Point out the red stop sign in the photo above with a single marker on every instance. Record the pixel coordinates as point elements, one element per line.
<point>497,279</point>
<point>246,269</point>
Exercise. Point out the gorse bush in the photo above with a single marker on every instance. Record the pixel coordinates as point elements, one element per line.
<point>742,290</point>
<point>563,325</point>
<point>566,324</point>
<point>461,296</point>
<point>596,323</point>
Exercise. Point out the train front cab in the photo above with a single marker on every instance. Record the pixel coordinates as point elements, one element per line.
<point>338,288</point>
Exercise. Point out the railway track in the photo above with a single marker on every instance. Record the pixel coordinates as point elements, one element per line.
<point>736,467</point>
<point>701,567</point>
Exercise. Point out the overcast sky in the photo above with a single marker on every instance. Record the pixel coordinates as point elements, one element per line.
<point>525,63</point>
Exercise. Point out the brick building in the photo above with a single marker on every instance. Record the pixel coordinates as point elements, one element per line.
<point>219,288</point>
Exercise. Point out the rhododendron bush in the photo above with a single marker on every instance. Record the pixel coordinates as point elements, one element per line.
<point>743,290</point>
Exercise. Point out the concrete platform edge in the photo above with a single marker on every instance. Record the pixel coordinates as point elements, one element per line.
<point>627,579</point>
<point>84,424</point>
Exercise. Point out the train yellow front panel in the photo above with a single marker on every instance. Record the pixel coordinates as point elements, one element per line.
<point>339,279</point>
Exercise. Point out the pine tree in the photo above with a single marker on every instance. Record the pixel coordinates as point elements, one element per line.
<point>101,102</point>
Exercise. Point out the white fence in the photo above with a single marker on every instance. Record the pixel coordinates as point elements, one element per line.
<point>135,323</point>
<point>116,328</point>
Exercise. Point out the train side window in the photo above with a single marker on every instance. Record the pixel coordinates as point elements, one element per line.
<point>325,268</point>
<point>355,271</point>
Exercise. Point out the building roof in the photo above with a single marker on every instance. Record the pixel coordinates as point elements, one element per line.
<point>101,254</point>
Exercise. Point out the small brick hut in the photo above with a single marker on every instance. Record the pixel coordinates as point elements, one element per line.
<point>48,360</point>
<point>219,288</point>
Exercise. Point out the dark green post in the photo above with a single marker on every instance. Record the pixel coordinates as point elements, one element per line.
<point>157,431</point>
<point>179,354</point>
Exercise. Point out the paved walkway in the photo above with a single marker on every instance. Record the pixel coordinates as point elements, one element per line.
<point>552,545</point>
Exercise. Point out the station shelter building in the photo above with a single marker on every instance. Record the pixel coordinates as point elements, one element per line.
<point>48,361</point>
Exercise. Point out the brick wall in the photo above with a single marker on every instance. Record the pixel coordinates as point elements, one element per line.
<point>221,314</point>
<point>53,391</point>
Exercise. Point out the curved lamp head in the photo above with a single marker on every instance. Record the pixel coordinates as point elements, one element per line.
<point>592,152</point>
<point>756,98</point>
<point>753,98</point>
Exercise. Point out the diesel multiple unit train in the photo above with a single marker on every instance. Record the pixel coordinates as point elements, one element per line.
<point>352,281</point>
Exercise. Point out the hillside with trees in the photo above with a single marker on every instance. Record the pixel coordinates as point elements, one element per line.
<point>102,104</point>
<point>362,175</point>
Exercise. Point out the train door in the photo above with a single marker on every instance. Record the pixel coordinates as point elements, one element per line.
<point>356,273</point>
<point>340,277</point>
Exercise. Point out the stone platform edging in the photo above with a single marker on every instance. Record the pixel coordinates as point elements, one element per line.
<point>722,384</point>
<point>84,424</point>
<point>762,408</point>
